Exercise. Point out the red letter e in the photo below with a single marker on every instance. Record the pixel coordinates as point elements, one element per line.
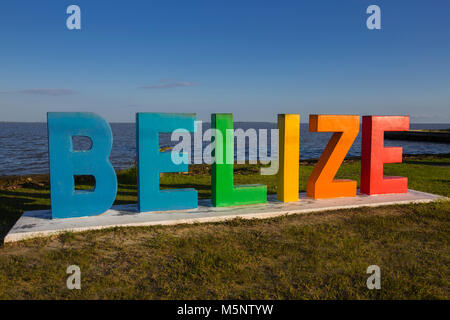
<point>374,155</point>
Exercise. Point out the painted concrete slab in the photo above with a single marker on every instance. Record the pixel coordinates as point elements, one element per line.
<point>34,224</point>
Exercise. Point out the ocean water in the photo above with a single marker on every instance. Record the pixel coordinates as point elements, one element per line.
<point>24,149</point>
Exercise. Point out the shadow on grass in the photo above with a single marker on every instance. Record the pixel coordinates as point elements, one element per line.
<point>12,208</point>
<point>26,194</point>
<point>8,217</point>
<point>127,193</point>
<point>186,185</point>
<point>442,180</point>
<point>22,204</point>
<point>6,225</point>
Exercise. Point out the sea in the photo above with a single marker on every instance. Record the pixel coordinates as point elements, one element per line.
<point>24,146</point>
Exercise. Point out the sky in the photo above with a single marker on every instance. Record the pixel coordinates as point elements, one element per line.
<point>252,58</point>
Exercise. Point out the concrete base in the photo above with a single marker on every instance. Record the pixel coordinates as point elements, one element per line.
<point>34,224</point>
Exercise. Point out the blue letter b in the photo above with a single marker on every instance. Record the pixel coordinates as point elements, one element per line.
<point>65,163</point>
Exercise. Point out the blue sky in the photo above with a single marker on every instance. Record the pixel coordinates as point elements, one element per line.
<point>252,58</point>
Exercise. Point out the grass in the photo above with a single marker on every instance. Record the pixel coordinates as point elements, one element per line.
<point>314,256</point>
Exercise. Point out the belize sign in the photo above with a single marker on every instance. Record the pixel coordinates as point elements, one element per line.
<point>65,162</point>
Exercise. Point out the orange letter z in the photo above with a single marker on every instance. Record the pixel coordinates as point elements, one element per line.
<point>320,184</point>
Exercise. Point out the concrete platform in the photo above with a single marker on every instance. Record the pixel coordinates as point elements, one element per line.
<point>34,224</point>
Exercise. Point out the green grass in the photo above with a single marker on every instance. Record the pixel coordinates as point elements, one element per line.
<point>320,255</point>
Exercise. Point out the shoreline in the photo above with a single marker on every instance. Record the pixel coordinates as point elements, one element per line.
<point>41,182</point>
